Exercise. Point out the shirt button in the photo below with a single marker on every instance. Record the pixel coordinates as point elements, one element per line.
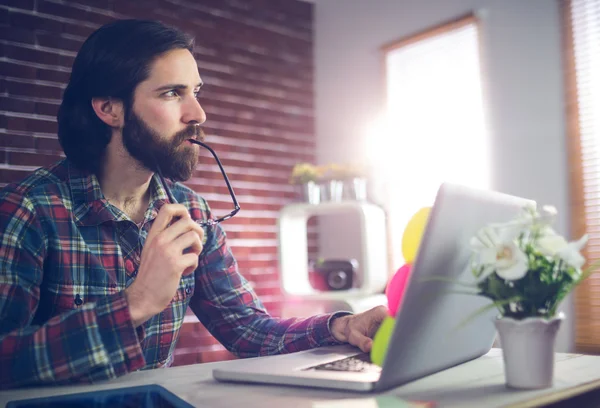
<point>188,290</point>
<point>129,266</point>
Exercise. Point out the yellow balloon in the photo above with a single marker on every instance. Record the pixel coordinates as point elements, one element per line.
<point>413,234</point>
<point>381,340</point>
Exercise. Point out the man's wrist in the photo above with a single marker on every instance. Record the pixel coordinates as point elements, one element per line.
<point>135,311</point>
<point>339,327</point>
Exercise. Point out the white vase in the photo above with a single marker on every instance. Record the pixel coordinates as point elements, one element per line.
<point>310,192</point>
<point>332,190</point>
<point>355,189</point>
<point>528,350</point>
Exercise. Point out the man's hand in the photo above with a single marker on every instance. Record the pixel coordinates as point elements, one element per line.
<point>163,261</point>
<point>360,328</point>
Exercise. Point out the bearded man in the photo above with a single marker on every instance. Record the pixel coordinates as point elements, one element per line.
<point>101,256</point>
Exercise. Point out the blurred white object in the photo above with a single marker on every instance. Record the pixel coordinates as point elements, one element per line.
<point>293,249</point>
<point>299,306</point>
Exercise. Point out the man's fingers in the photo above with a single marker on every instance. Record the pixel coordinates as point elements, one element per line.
<point>165,216</point>
<point>180,227</point>
<point>189,242</point>
<point>187,262</point>
<point>367,346</point>
<point>359,340</point>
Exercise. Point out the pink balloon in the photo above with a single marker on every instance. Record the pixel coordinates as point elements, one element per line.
<point>395,288</point>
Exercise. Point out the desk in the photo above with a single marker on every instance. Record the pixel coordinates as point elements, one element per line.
<point>478,383</point>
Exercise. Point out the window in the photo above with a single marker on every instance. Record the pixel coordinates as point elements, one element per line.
<point>582,66</point>
<point>434,127</point>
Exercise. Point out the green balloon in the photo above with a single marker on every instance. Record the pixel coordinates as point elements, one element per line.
<point>381,340</point>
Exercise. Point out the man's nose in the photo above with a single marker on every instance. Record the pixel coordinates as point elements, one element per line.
<point>194,112</point>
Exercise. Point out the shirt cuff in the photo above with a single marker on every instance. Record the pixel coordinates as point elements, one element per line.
<point>119,337</point>
<point>321,332</point>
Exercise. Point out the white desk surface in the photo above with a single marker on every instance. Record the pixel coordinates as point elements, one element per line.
<point>478,383</point>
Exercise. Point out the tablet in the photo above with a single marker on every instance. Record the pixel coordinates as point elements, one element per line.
<point>146,396</point>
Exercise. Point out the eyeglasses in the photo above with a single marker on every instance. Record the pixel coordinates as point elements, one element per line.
<point>210,221</point>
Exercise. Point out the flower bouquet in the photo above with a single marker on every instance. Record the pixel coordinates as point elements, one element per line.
<point>303,173</point>
<point>307,175</point>
<point>527,269</point>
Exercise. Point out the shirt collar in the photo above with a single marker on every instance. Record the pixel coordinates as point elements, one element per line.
<point>90,207</point>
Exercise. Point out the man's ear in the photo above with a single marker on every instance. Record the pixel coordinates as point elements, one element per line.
<point>110,111</point>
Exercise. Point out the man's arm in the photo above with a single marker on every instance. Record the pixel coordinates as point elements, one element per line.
<point>228,307</point>
<point>96,341</point>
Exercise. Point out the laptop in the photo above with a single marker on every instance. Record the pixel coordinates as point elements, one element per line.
<point>430,333</point>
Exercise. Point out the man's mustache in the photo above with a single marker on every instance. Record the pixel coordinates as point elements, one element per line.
<point>189,132</point>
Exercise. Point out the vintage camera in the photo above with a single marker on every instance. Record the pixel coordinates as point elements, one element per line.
<point>337,274</point>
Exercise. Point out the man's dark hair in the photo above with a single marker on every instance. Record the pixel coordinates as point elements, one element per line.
<point>111,63</point>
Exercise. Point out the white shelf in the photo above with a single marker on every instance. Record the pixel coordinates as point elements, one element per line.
<point>293,248</point>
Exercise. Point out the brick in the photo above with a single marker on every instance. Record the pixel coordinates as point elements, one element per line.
<point>66,60</point>
<point>17,34</point>
<point>16,105</point>
<point>34,90</point>
<point>189,340</point>
<point>53,75</point>
<point>256,264</point>
<point>100,4</point>
<point>21,4</point>
<point>34,22</point>
<point>251,235</point>
<point>71,12</point>
<point>16,141</point>
<point>31,55</point>
<point>218,355</point>
<point>30,125</point>
<point>268,291</point>
<point>16,70</point>
<point>57,41</point>
<point>181,359</point>
<point>130,8</point>
<point>78,29</point>
<point>4,16</point>
<point>12,175</point>
<point>48,109</point>
<point>31,159</point>
<point>47,144</point>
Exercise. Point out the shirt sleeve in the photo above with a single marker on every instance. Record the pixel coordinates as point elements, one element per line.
<point>228,307</point>
<point>97,341</point>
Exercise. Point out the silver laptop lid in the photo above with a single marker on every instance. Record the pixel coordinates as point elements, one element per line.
<point>426,339</point>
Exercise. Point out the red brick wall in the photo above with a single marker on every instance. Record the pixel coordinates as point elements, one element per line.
<point>255,57</point>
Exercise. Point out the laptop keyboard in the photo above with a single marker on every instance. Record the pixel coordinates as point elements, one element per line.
<point>360,363</point>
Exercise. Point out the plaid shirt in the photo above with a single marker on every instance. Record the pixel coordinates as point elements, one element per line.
<point>66,255</point>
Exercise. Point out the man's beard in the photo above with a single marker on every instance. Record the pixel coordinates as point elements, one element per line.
<point>176,160</point>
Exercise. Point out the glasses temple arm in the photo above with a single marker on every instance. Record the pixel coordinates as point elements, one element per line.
<point>165,186</point>
<point>207,147</point>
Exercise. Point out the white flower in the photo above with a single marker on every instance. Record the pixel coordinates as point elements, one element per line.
<point>550,243</point>
<point>554,245</point>
<point>529,218</point>
<point>498,252</point>
<point>549,212</point>
<point>571,253</point>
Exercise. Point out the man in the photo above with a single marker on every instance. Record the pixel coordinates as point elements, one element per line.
<point>97,266</point>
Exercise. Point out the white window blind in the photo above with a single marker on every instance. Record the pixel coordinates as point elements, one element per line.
<point>582,51</point>
<point>434,125</point>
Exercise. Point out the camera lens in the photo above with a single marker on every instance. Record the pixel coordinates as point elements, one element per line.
<point>337,279</point>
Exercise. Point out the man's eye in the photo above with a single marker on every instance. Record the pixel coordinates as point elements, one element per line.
<point>172,93</point>
<point>197,93</point>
